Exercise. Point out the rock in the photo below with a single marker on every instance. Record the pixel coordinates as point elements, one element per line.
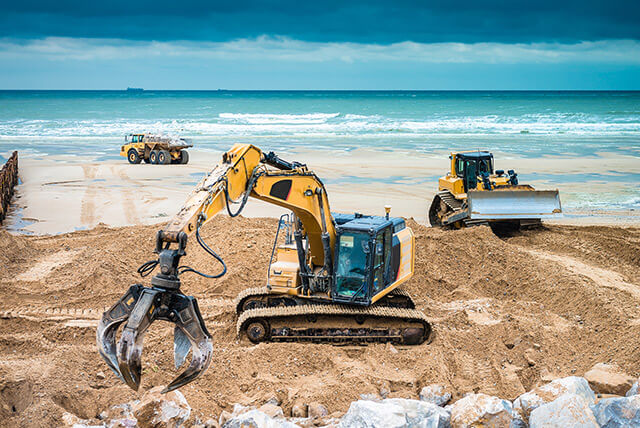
<point>317,410</point>
<point>370,397</point>
<point>299,410</point>
<point>484,410</point>
<point>394,412</point>
<point>211,423</point>
<point>224,417</point>
<point>257,419</point>
<point>435,394</point>
<point>608,379</point>
<point>618,412</point>
<point>567,411</point>
<point>100,375</point>
<point>123,423</point>
<point>384,391</point>
<point>158,410</point>
<point>273,400</point>
<point>272,410</point>
<point>528,401</point>
<point>635,389</point>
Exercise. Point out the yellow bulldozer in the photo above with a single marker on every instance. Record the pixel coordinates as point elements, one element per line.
<point>335,278</point>
<point>474,193</point>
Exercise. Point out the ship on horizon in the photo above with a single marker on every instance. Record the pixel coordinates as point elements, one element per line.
<point>134,89</point>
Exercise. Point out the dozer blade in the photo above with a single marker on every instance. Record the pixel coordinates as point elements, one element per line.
<point>139,308</point>
<point>514,204</point>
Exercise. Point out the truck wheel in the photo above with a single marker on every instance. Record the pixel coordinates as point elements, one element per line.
<point>153,157</point>
<point>164,157</point>
<point>133,156</point>
<point>184,157</point>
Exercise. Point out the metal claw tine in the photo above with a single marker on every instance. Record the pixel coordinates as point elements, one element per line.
<point>109,323</point>
<point>131,342</point>
<point>190,323</point>
<point>181,347</point>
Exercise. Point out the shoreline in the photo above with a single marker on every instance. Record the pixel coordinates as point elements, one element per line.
<point>64,193</point>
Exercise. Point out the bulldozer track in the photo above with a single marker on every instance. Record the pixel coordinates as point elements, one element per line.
<point>448,198</point>
<point>358,334</point>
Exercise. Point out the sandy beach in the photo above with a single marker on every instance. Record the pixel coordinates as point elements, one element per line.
<point>62,193</point>
<point>508,314</point>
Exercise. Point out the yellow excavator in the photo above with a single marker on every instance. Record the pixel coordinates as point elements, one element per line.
<point>474,193</point>
<point>334,279</point>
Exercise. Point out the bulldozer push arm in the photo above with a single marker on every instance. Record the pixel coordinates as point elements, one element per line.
<point>242,172</point>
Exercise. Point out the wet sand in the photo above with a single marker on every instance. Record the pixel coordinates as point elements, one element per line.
<point>65,193</point>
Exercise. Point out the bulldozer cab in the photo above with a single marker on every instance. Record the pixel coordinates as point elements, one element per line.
<point>469,166</point>
<point>364,257</point>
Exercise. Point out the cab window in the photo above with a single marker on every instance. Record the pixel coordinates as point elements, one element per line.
<point>353,248</point>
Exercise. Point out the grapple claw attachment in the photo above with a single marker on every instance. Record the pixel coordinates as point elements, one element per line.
<point>188,320</point>
<point>140,307</point>
<point>130,346</point>
<point>109,324</point>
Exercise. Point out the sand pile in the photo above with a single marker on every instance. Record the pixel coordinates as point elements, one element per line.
<point>508,314</point>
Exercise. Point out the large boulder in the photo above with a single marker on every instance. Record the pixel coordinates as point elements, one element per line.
<point>484,410</point>
<point>435,394</point>
<point>257,419</point>
<point>394,412</point>
<point>156,410</point>
<point>608,379</point>
<point>529,401</point>
<point>566,411</point>
<point>618,412</point>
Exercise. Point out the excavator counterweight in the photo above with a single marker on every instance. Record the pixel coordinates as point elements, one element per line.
<point>336,278</point>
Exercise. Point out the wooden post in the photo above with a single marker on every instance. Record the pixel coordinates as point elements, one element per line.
<point>8,180</point>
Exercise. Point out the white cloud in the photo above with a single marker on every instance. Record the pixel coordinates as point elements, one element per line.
<point>289,50</point>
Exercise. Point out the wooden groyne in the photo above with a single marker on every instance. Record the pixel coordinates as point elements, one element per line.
<point>8,180</point>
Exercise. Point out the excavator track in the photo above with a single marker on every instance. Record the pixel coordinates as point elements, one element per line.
<point>261,297</point>
<point>332,323</point>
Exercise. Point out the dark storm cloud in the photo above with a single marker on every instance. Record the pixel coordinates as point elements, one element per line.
<point>333,20</point>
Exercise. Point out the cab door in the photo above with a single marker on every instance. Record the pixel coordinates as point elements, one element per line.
<point>470,175</point>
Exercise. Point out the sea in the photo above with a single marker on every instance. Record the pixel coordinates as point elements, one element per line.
<point>523,124</point>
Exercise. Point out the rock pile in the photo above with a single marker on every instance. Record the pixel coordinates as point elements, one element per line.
<point>565,402</point>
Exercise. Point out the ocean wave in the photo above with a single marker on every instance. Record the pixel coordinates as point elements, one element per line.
<point>328,124</point>
<point>267,118</point>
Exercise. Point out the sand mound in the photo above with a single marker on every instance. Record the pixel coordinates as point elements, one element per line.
<point>507,313</point>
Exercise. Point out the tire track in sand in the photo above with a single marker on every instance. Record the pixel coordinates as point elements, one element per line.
<point>128,194</point>
<point>88,206</point>
<point>601,277</point>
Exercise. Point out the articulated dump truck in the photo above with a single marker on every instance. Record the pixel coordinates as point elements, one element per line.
<point>155,149</point>
<point>474,193</point>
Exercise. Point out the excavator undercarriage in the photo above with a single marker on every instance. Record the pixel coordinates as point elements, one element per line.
<point>268,317</point>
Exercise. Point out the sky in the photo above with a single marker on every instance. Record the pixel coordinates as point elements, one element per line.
<point>252,44</point>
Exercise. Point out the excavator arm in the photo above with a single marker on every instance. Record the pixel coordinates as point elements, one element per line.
<point>243,172</point>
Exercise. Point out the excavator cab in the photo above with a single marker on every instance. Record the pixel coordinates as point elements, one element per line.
<point>367,257</point>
